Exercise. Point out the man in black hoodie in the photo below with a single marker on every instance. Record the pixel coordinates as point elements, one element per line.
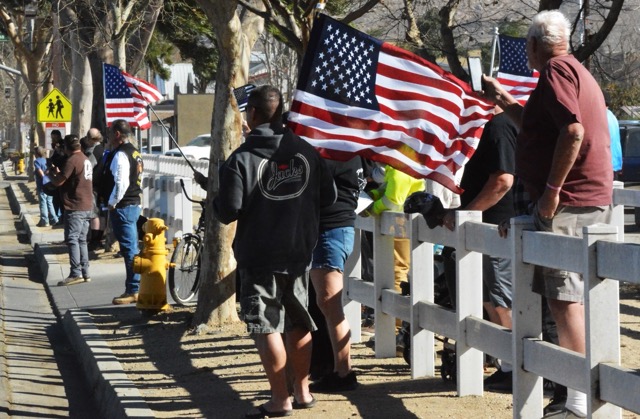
<point>274,185</point>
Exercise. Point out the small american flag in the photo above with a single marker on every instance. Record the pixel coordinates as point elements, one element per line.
<point>123,101</point>
<point>359,95</point>
<point>242,96</point>
<point>514,74</point>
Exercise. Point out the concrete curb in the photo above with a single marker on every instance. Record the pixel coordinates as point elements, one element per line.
<point>5,403</point>
<point>116,396</point>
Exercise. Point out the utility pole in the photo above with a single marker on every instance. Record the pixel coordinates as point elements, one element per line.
<point>16,75</point>
<point>583,30</point>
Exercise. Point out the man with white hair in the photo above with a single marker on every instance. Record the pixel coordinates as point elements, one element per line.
<point>563,158</point>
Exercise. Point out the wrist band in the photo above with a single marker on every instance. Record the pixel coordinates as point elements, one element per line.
<point>553,188</point>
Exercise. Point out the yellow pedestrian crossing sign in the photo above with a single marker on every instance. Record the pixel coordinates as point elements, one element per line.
<point>55,107</point>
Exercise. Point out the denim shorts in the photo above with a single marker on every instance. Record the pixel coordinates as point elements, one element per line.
<point>333,248</point>
<point>558,284</point>
<point>274,302</point>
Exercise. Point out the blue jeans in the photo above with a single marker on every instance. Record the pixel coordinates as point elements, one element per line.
<point>125,228</point>
<point>76,227</point>
<point>47,212</point>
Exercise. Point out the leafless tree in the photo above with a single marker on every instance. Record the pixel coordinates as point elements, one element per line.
<point>92,32</point>
<point>280,63</point>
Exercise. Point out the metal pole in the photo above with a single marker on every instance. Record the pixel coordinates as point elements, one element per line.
<point>16,87</point>
<point>493,50</point>
<point>581,25</point>
<point>18,102</point>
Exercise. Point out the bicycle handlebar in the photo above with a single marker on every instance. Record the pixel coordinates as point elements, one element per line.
<point>187,195</point>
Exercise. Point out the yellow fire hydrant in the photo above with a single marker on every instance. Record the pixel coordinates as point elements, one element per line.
<point>152,266</point>
<point>20,166</point>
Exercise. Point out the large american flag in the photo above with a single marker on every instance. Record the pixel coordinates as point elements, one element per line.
<point>514,73</point>
<point>123,101</point>
<point>359,95</point>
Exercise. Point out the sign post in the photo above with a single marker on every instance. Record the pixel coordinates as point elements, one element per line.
<point>48,128</point>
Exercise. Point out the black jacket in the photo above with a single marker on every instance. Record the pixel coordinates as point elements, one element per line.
<point>106,180</point>
<point>274,186</point>
<point>350,178</point>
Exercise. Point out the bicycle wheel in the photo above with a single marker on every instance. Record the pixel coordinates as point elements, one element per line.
<point>184,277</point>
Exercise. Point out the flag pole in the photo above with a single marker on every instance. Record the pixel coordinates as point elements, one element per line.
<point>168,132</point>
<point>493,50</point>
<point>319,7</point>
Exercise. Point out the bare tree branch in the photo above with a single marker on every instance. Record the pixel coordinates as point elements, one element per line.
<point>356,14</point>
<point>594,41</point>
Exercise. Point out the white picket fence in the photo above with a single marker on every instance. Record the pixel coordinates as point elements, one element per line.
<point>601,253</point>
<point>162,195</point>
<point>176,166</point>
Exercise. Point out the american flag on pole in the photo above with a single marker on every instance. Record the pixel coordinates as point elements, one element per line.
<point>123,101</point>
<point>359,95</point>
<point>514,74</point>
<point>242,95</point>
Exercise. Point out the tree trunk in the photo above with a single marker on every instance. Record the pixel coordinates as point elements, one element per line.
<point>447,14</point>
<point>216,299</point>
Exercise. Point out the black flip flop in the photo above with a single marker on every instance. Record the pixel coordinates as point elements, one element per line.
<point>264,413</point>
<point>297,405</point>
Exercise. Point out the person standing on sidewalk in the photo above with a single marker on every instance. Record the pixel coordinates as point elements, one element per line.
<point>57,160</point>
<point>334,246</point>
<point>47,212</point>
<point>487,181</point>
<point>120,191</point>
<point>563,156</point>
<point>75,183</point>
<point>390,196</point>
<point>93,148</point>
<point>274,185</point>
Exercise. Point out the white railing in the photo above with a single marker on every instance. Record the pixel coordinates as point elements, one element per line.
<point>176,166</point>
<point>599,254</point>
<point>162,197</point>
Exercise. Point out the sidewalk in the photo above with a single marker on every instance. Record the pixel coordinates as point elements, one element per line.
<point>115,394</point>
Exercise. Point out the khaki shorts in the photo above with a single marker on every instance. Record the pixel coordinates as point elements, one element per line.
<point>274,302</point>
<point>558,284</point>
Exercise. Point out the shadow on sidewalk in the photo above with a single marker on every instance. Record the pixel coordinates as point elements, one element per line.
<point>220,375</point>
<point>28,193</point>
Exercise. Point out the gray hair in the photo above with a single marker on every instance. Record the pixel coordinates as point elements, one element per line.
<point>551,27</point>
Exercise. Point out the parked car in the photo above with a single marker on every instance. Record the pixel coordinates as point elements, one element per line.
<point>155,149</point>
<point>630,141</point>
<point>198,148</point>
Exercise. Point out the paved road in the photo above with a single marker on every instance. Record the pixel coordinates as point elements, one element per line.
<point>39,374</point>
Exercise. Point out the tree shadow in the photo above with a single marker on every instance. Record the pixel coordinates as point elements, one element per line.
<point>219,374</point>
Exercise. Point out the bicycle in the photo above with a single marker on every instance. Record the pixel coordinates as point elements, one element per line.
<point>184,276</point>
